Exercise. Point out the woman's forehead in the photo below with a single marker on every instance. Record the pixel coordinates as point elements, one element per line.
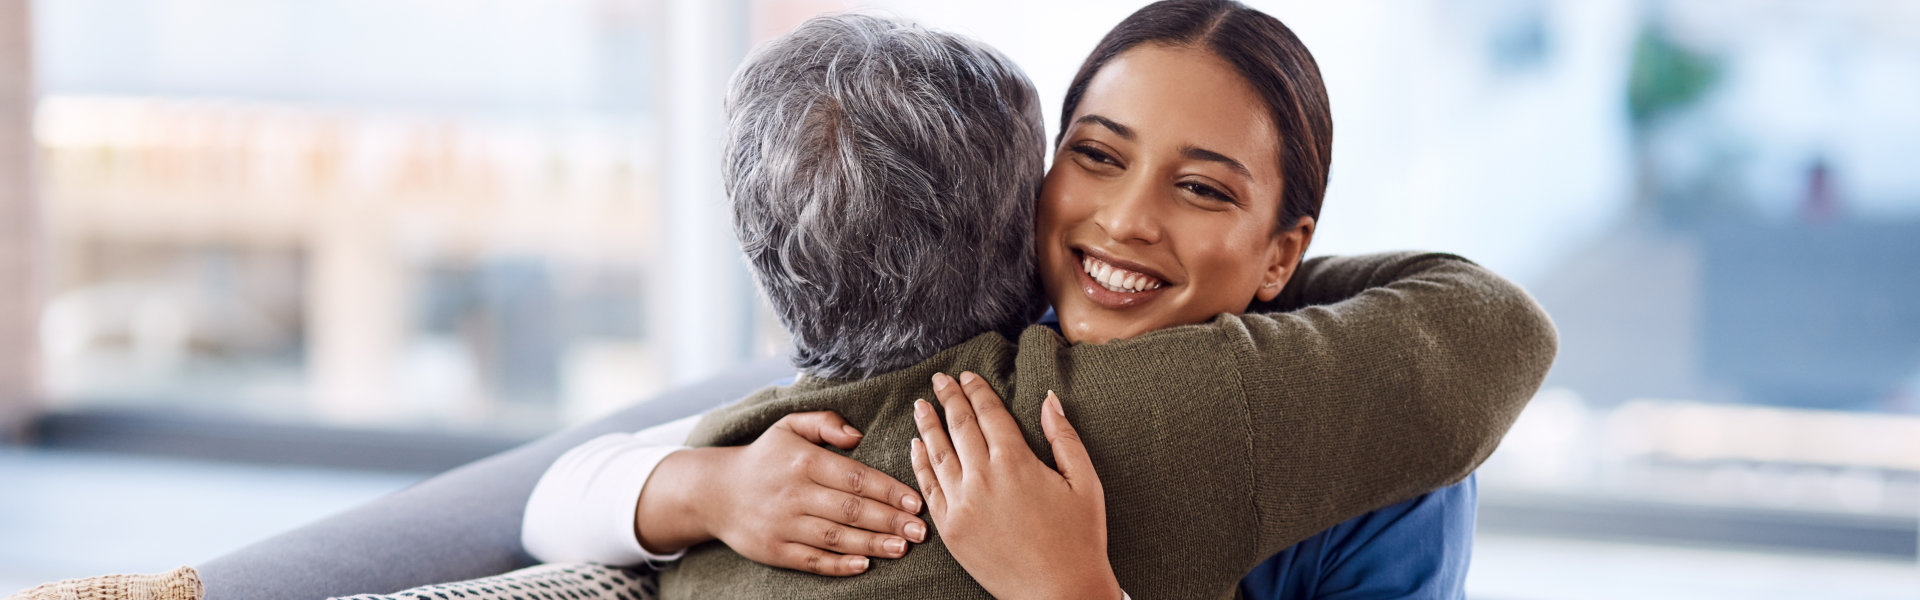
<point>1183,96</point>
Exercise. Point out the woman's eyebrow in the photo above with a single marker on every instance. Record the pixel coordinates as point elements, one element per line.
<point>1190,152</point>
<point>1125,132</point>
<point>1198,153</point>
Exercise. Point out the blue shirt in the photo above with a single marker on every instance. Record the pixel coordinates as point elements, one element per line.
<point>1414,549</point>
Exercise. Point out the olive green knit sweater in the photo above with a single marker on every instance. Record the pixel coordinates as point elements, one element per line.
<point>1218,444</point>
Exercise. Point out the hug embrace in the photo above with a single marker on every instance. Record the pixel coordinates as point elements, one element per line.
<point>1091,365</point>
<point>1198,402</point>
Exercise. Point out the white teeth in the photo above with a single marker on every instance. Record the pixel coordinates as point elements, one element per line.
<point>1117,279</point>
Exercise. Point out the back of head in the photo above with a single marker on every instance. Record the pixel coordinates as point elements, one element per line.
<point>882,179</point>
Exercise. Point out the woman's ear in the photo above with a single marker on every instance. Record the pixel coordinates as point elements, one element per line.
<point>1287,249</point>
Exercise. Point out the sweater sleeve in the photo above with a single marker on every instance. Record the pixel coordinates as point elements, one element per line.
<point>582,508</point>
<point>1394,375</point>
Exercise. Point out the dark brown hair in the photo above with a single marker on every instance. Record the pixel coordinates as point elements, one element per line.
<point>1267,55</point>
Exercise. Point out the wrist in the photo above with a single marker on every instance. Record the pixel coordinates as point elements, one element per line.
<point>1082,583</point>
<point>668,517</point>
<point>1101,583</point>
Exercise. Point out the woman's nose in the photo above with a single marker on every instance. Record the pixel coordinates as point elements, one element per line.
<point>1130,214</point>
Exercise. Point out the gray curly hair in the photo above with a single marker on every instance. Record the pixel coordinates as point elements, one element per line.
<point>882,178</point>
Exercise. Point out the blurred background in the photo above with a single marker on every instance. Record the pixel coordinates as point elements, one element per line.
<point>262,260</point>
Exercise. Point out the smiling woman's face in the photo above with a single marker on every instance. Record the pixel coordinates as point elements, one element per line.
<point>1162,204</point>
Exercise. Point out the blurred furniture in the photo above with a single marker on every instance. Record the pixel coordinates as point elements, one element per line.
<point>462,524</point>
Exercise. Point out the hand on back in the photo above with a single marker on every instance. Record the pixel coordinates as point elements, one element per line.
<point>1020,528</point>
<point>783,500</point>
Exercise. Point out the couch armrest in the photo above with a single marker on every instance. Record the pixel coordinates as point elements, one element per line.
<point>461,524</point>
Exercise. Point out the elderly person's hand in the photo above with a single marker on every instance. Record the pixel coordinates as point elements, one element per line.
<point>783,500</point>
<point>1019,528</point>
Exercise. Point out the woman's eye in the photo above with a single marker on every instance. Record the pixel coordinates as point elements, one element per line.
<point>1206,191</point>
<point>1095,155</point>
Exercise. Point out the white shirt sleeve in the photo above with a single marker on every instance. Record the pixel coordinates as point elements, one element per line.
<point>582,508</point>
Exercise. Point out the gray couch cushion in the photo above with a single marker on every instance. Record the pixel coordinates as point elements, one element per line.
<point>461,524</point>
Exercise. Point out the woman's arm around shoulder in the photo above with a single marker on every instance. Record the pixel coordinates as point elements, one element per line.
<point>1394,375</point>
<point>626,499</point>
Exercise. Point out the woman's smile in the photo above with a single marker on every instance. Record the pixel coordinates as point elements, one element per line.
<point>1116,283</point>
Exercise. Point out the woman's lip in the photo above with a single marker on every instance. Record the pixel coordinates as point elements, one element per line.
<point>1110,299</point>
<point>1122,263</point>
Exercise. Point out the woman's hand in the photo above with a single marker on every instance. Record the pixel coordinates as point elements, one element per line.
<point>1019,528</point>
<point>782,501</point>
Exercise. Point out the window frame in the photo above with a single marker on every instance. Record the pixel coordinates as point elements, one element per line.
<point>19,224</point>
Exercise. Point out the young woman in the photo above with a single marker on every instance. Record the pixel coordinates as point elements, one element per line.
<point>1186,180</point>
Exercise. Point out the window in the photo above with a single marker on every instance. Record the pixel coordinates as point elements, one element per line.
<point>373,214</point>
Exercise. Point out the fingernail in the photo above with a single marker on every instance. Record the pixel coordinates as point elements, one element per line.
<point>859,563</point>
<point>895,546</point>
<point>850,430</point>
<point>939,381</point>
<point>920,408</point>
<point>916,532</point>
<point>967,377</point>
<point>910,503</point>
<point>1057,407</point>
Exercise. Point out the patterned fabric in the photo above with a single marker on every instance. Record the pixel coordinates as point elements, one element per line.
<point>179,584</point>
<point>579,581</point>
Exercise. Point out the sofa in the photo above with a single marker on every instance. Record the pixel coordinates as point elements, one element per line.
<point>461,524</point>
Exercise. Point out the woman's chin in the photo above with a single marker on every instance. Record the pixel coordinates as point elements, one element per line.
<point>1083,328</point>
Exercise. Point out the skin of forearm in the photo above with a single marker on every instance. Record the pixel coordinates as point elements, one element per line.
<point>669,503</point>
